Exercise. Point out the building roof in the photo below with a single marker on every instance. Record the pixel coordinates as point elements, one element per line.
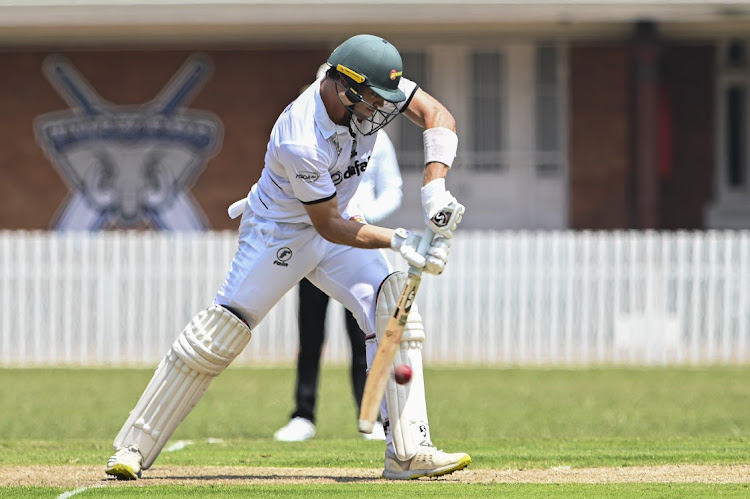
<point>282,21</point>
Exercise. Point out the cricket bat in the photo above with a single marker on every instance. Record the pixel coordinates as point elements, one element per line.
<point>388,347</point>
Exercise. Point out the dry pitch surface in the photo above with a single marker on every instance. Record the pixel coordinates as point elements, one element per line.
<point>93,476</point>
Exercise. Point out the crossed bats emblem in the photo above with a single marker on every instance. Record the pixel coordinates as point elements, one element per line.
<point>129,166</point>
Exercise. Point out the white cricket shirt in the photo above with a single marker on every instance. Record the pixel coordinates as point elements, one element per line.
<point>310,159</point>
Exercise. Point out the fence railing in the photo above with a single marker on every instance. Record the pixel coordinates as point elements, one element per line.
<point>506,298</point>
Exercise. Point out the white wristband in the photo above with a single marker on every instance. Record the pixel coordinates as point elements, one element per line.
<point>440,144</point>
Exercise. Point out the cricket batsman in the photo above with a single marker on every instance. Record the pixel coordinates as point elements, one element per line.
<point>296,222</point>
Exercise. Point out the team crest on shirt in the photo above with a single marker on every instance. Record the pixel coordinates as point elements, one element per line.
<point>128,166</point>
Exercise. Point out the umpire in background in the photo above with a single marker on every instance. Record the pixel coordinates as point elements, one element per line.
<point>378,196</point>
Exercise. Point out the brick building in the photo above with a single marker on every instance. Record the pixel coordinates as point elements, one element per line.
<point>597,115</point>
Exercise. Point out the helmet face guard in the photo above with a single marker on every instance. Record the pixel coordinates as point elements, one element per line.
<point>369,61</point>
<point>376,118</point>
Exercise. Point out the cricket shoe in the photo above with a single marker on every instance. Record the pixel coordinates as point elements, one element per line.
<point>378,433</point>
<point>125,464</point>
<point>297,430</point>
<point>429,461</point>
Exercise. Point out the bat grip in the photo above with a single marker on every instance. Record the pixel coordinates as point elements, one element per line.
<point>424,244</point>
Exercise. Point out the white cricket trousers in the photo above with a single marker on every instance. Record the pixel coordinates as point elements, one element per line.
<point>273,257</point>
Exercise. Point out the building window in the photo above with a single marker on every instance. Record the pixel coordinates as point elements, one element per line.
<point>735,112</point>
<point>735,137</point>
<point>509,103</point>
<point>409,135</point>
<point>733,104</point>
<point>486,110</point>
<point>730,207</point>
<point>736,54</point>
<point>549,160</point>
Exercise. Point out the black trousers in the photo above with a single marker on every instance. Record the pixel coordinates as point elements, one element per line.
<point>311,319</point>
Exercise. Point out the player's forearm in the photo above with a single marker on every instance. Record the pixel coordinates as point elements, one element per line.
<point>434,171</point>
<point>351,233</point>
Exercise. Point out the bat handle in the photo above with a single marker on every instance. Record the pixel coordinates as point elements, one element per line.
<point>424,244</point>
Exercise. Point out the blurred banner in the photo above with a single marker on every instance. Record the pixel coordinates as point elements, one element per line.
<point>129,166</point>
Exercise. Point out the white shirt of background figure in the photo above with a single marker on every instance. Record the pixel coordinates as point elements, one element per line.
<point>380,192</point>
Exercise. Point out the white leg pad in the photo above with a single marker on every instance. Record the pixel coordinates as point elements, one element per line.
<point>404,409</point>
<point>207,345</point>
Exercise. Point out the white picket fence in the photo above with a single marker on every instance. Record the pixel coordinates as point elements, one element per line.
<point>506,298</point>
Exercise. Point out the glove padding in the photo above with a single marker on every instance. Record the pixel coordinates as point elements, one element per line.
<point>406,244</point>
<point>443,212</point>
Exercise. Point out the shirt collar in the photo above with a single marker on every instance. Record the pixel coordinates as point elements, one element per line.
<point>324,122</point>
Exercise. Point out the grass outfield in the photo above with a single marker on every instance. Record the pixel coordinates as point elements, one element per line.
<point>517,424</point>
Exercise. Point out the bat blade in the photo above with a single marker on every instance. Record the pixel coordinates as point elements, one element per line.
<point>380,370</point>
<point>382,364</point>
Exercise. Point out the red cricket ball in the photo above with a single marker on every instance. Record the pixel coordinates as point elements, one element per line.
<point>402,374</point>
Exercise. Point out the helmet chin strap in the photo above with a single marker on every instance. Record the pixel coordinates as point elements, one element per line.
<point>346,94</point>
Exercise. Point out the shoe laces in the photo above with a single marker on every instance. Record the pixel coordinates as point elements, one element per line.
<point>430,444</point>
<point>131,448</point>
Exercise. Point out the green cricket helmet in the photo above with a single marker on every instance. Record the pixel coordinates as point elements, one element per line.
<point>373,62</point>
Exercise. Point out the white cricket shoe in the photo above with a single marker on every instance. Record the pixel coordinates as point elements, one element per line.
<point>428,461</point>
<point>125,464</point>
<point>296,430</point>
<point>378,433</point>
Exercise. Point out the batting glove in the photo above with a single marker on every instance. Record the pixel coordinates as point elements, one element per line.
<point>443,212</point>
<point>406,243</point>
<point>437,255</point>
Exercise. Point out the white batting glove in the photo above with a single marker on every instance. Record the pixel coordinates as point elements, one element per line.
<point>437,255</point>
<point>443,212</point>
<point>406,243</point>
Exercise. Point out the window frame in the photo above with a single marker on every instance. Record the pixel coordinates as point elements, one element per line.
<point>525,194</point>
